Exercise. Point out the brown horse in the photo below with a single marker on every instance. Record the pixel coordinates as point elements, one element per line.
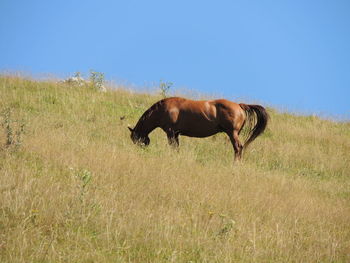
<point>179,116</point>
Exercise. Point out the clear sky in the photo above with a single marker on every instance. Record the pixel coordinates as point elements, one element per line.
<point>294,54</point>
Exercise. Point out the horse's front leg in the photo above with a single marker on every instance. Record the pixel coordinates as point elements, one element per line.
<point>173,138</point>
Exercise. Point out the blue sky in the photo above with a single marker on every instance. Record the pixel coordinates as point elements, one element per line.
<point>293,54</point>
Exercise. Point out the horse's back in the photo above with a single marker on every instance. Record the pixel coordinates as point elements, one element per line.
<point>210,107</point>
<point>227,104</point>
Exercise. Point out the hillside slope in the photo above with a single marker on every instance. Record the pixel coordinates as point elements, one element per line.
<point>75,188</point>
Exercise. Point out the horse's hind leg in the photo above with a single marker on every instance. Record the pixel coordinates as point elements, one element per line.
<point>237,146</point>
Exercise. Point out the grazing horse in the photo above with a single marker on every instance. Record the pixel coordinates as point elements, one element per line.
<point>178,116</point>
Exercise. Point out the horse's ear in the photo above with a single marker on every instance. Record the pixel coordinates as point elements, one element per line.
<point>131,129</point>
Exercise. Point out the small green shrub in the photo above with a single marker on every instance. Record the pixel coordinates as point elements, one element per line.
<point>164,88</point>
<point>85,177</point>
<point>14,129</point>
<point>97,79</point>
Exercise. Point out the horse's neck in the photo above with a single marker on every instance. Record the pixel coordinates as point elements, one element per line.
<point>148,124</point>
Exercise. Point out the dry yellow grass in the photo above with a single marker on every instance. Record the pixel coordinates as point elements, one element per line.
<point>78,190</point>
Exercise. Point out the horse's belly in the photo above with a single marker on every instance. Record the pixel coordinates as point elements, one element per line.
<point>200,131</point>
<point>199,134</point>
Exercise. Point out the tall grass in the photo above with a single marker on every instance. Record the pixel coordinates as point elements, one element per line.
<point>78,190</point>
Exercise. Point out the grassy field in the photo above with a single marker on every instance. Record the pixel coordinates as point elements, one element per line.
<point>73,187</point>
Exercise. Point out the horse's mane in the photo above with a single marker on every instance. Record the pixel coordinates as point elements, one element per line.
<point>147,114</point>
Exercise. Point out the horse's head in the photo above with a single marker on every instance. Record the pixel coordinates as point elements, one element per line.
<point>138,138</point>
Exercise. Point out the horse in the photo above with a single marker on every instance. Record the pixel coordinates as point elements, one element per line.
<point>179,116</point>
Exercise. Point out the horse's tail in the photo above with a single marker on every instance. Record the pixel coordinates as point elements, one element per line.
<point>258,115</point>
